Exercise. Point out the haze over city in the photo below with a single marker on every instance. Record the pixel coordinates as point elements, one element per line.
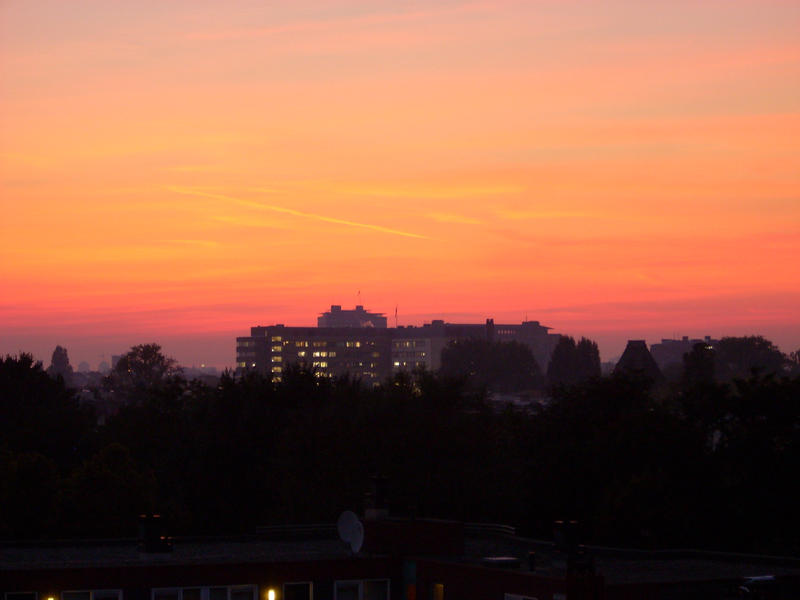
<point>179,172</point>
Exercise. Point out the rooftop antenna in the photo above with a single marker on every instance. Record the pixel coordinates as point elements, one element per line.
<point>395,316</point>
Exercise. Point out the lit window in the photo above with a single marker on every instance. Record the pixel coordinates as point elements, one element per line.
<point>241,364</point>
<point>276,359</point>
<point>320,344</point>
<point>301,353</point>
<point>319,363</point>
<point>376,355</point>
<point>323,354</point>
<point>332,354</point>
<point>276,338</point>
<point>277,369</point>
<point>301,344</point>
<point>277,348</point>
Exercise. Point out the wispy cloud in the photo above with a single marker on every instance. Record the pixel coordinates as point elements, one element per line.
<point>296,213</point>
<point>521,215</point>
<point>451,218</point>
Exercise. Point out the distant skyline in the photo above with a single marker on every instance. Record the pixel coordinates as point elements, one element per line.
<point>179,172</point>
<point>217,349</point>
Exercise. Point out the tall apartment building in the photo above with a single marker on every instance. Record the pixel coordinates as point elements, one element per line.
<point>370,351</point>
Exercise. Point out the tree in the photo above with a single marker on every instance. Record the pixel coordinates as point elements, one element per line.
<point>699,365</point>
<point>573,363</point>
<point>497,366</point>
<point>105,495</point>
<point>39,414</point>
<point>587,359</point>
<point>561,369</point>
<point>737,357</point>
<point>59,365</point>
<point>144,371</point>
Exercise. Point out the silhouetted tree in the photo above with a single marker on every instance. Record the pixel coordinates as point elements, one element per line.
<point>29,486</point>
<point>59,365</point>
<point>145,372</point>
<point>587,359</point>
<point>561,370</point>
<point>699,365</point>
<point>573,363</point>
<point>38,413</point>
<point>105,495</point>
<point>496,366</point>
<point>738,356</point>
<point>794,362</point>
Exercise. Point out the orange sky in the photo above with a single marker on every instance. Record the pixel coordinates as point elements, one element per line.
<point>179,171</point>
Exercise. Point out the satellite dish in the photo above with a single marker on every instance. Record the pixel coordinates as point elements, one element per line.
<point>351,530</point>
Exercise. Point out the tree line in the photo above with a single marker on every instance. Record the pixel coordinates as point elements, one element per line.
<point>691,462</point>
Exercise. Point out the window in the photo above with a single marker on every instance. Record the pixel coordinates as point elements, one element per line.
<point>318,354</point>
<point>231,592</point>
<point>301,344</point>
<point>320,344</point>
<point>353,344</point>
<point>276,359</point>
<point>21,596</point>
<point>275,338</point>
<point>92,595</point>
<point>319,363</point>
<point>242,593</point>
<point>376,589</point>
<point>347,590</point>
<point>277,348</point>
<point>332,354</point>
<point>370,589</point>
<point>298,591</point>
<point>438,591</point>
<point>277,369</point>
<point>301,353</point>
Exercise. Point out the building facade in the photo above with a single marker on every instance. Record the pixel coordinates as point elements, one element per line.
<point>358,343</point>
<point>362,352</point>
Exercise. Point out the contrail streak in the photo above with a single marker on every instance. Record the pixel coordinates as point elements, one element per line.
<point>296,213</point>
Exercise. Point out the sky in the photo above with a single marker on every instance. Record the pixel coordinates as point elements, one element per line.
<point>177,172</point>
